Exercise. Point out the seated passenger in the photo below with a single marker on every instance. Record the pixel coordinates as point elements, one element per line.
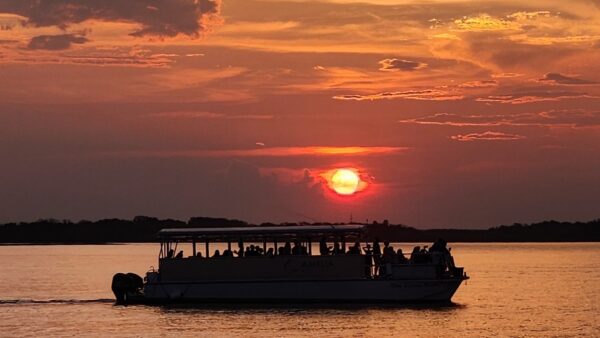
<point>217,253</point>
<point>337,250</point>
<point>323,248</point>
<point>287,248</point>
<point>440,245</point>
<point>270,253</point>
<point>199,254</point>
<point>355,249</point>
<point>179,254</point>
<point>388,256</point>
<point>400,259</point>
<point>425,256</point>
<point>414,256</point>
<point>296,250</point>
<point>240,250</point>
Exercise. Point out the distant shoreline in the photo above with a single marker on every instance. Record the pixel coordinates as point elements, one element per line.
<point>143,229</point>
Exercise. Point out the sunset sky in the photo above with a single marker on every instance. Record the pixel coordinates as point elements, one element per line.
<point>453,113</point>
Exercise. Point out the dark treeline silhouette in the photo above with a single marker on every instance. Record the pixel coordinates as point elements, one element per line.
<point>144,229</point>
<point>548,231</point>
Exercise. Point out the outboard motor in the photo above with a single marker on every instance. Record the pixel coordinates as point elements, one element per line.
<point>126,284</point>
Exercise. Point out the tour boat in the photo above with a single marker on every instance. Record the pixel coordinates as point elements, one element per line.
<point>273,271</point>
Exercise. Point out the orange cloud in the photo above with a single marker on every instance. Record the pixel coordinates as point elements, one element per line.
<point>210,115</point>
<point>534,97</point>
<point>424,95</point>
<point>269,152</point>
<point>555,119</point>
<point>487,136</point>
<point>564,80</point>
<point>400,65</point>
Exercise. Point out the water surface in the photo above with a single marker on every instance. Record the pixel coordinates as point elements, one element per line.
<point>516,290</point>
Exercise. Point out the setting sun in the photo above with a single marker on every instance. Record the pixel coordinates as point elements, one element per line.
<point>345,181</point>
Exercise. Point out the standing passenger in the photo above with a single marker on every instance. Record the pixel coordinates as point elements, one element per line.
<point>368,260</point>
<point>376,255</point>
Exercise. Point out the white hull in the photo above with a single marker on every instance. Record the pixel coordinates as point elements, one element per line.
<point>365,290</point>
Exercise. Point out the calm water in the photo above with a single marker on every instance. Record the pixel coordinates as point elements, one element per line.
<point>517,290</point>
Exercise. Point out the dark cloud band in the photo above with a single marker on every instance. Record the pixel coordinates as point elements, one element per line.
<point>164,18</point>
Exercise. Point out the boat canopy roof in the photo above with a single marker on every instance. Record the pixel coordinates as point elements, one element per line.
<point>263,232</point>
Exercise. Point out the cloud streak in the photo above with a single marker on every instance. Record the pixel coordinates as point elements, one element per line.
<point>534,97</point>
<point>55,42</point>
<point>211,115</point>
<point>423,95</point>
<point>567,119</point>
<point>487,136</point>
<point>394,65</point>
<point>270,152</point>
<point>558,78</point>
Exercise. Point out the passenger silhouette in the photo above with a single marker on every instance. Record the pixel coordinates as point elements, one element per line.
<point>355,249</point>
<point>270,252</point>
<point>323,248</point>
<point>179,254</point>
<point>376,255</point>
<point>368,260</point>
<point>296,248</point>
<point>240,250</point>
<point>287,248</point>
<point>414,255</point>
<point>400,259</point>
<point>337,250</point>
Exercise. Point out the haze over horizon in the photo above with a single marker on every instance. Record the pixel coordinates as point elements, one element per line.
<point>450,113</point>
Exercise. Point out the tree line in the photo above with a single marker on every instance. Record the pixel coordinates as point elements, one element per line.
<point>144,229</point>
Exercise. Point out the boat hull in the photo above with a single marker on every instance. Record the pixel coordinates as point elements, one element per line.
<point>302,291</point>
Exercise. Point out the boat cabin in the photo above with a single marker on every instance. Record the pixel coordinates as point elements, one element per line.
<point>262,253</point>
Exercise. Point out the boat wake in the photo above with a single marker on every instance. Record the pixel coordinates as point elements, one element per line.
<point>54,301</point>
